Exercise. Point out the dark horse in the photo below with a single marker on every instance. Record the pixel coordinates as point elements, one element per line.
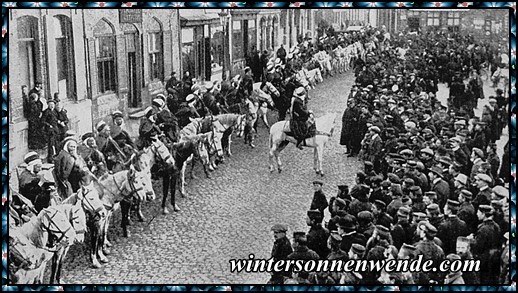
<point>181,152</point>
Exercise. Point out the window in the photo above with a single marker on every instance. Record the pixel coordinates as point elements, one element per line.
<point>237,41</point>
<point>433,19</point>
<point>188,50</point>
<point>156,55</point>
<point>105,57</point>
<point>453,18</point>
<point>65,56</point>
<point>27,38</point>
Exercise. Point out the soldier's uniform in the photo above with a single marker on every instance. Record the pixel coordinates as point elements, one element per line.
<point>483,196</point>
<point>486,247</point>
<point>402,232</point>
<point>451,228</point>
<point>168,123</point>
<point>280,250</point>
<point>319,201</point>
<point>430,251</point>
<point>302,252</point>
<point>147,129</point>
<point>186,111</point>
<point>317,235</point>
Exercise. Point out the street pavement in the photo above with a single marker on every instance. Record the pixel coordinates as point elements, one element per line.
<point>229,216</point>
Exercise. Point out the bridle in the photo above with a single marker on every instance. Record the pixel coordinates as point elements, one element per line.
<point>58,229</point>
<point>72,220</point>
<point>132,190</point>
<point>88,206</point>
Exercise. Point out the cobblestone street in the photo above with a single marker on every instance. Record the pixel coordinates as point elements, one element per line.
<point>226,217</point>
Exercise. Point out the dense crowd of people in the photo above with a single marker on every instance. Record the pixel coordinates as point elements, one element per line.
<point>432,182</point>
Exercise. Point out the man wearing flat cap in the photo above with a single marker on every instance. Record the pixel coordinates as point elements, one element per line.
<point>452,227</point>
<point>281,249</point>
<point>439,185</point>
<point>486,245</point>
<point>317,235</point>
<point>467,211</point>
<point>319,201</point>
<point>347,228</point>
<point>483,197</point>
<point>430,251</point>
<point>302,252</point>
<point>379,210</point>
<point>375,153</point>
<point>402,232</point>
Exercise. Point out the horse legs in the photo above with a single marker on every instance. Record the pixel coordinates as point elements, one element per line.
<point>125,207</point>
<point>140,216</point>
<point>54,268</point>
<point>95,241</point>
<point>182,178</point>
<point>172,177</point>
<point>319,151</point>
<point>165,191</point>
<point>271,156</point>
<point>59,264</point>
<point>315,160</point>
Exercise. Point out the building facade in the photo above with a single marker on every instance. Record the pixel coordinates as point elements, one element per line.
<point>98,60</point>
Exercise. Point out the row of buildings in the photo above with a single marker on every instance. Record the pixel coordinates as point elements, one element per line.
<point>101,60</point>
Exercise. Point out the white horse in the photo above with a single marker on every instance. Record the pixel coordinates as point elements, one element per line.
<point>280,137</point>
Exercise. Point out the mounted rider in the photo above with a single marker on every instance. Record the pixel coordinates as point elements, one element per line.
<point>95,160</point>
<point>148,130</point>
<point>165,120</point>
<point>187,110</point>
<point>300,117</point>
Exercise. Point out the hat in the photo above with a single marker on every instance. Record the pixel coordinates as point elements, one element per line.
<point>455,139</point>
<point>365,216</point>
<point>500,191</point>
<point>375,129</point>
<point>497,204</point>
<point>347,223</point>
<point>278,61</point>
<point>436,170</point>
<point>100,126</point>
<point>70,133</point>
<point>409,181</point>
<point>340,202</point>
<point>406,152</point>
<point>394,178</point>
<point>382,230</point>
<point>453,204</point>
<point>466,194</point>
<point>69,139</point>
<point>117,114</point>
<point>419,216</point>
<point>319,182</point>
<point>161,96</point>
<point>290,56</point>
<point>190,98</point>
<point>411,164</point>
<point>428,228</point>
<point>460,122</point>
<point>357,249</point>
<point>148,111</point>
<point>343,187</point>
<point>87,136</point>
<point>376,179</point>
<point>158,103</point>
<point>368,163</point>
<point>335,237</point>
<point>485,208</point>
<point>270,66</point>
<point>463,179</point>
<point>431,194</point>
<point>30,157</point>
<point>406,200</point>
<point>300,236</point>
<point>445,160</point>
<point>279,228</point>
<point>380,204</point>
<point>403,212</point>
<point>453,257</point>
<point>408,247</point>
<point>314,214</point>
<point>385,183</point>
<point>484,178</point>
<point>433,207</point>
<point>478,152</point>
<point>300,92</point>
<point>51,101</point>
<point>492,100</point>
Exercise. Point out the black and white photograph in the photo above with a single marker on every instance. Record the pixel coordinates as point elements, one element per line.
<point>259,146</point>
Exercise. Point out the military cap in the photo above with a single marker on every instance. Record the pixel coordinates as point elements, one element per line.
<point>428,228</point>
<point>482,123</point>
<point>431,194</point>
<point>375,129</point>
<point>497,204</point>
<point>376,179</point>
<point>394,178</point>
<point>463,239</point>
<point>453,204</point>
<point>70,133</point>
<point>368,163</point>
<point>335,237</point>
<point>389,118</point>
<point>492,101</point>
<point>100,126</point>
<point>466,194</point>
<point>415,188</point>
<point>478,152</point>
<point>460,122</point>
<point>149,111</point>
<point>300,236</point>
<point>319,182</point>
<point>485,208</point>
<point>500,192</point>
<point>453,257</point>
<point>365,216</point>
<point>455,139</point>
<point>343,187</point>
<point>314,214</point>
<point>445,160</point>
<point>87,136</point>
<point>403,212</point>
<point>427,131</point>
<point>190,98</point>
<point>299,92</point>
<point>340,202</point>
<point>117,114</point>
<point>411,164</point>
<point>279,228</point>
<point>347,223</point>
<point>409,181</point>
<point>428,151</point>
<point>380,204</point>
<point>420,166</point>
<point>31,156</point>
<point>406,152</point>
<point>357,249</point>
<point>436,170</point>
<point>385,183</point>
<point>463,179</point>
<point>50,101</point>
<point>158,103</point>
<point>406,200</point>
<point>408,247</point>
<point>483,177</point>
<point>382,230</point>
<point>433,207</point>
<point>419,216</point>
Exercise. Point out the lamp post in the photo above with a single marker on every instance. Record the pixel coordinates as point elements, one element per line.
<point>224,18</point>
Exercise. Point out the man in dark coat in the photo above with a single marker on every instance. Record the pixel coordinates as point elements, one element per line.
<point>317,235</point>
<point>483,196</point>
<point>281,54</point>
<point>486,246</point>
<point>347,228</point>
<point>166,121</point>
<point>186,111</point>
<point>147,129</point>
<point>319,201</point>
<point>402,231</point>
<point>49,119</point>
<point>302,252</point>
<point>30,177</point>
<point>62,118</point>
<point>280,250</point>
<point>379,210</point>
<point>467,211</point>
<point>439,185</point>
<point>452,227</point>
<point>430,251</point>
<point>349,119</point>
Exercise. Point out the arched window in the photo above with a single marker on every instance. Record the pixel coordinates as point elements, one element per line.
<point>156,50</point>
<point>105,56</point>
<point>27,40</point>
<point>275,31</point>
<point>65,56</point>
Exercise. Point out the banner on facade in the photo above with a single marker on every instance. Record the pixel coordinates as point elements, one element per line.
<point>130,15</point>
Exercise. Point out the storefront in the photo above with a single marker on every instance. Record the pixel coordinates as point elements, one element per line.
<point>243,38</point>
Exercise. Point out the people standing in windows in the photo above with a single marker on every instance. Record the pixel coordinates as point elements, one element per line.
<point>49,120</point>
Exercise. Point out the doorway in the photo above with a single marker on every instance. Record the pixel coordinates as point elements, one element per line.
<point>133,58</point>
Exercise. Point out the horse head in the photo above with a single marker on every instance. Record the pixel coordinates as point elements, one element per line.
<point>144,176</point>
<point>135,186</point>
<point>56,223</point>
<point>78,221</point>
<point>88,197</point>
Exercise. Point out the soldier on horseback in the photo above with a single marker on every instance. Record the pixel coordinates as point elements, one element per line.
<point>165,120</point>
<point>300,116</point>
